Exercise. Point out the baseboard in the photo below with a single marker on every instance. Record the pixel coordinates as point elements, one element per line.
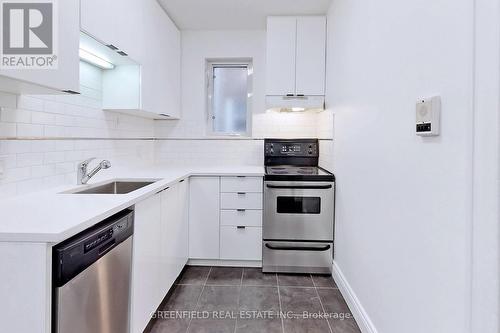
<point>228,263</point>
<point>358,311</point>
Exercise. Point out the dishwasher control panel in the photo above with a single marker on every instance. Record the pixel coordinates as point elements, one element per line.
<point>80,251</point>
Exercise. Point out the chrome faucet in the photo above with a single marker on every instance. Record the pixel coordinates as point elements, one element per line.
<point>83,176</point>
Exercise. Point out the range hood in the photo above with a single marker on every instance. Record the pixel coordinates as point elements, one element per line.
<point>295,102</point>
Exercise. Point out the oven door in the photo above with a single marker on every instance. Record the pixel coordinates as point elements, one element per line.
<point>298,211</point>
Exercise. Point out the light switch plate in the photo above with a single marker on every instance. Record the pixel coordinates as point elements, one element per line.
<point>428,116</point>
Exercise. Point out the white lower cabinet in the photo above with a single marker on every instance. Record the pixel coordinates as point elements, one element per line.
<point>204,218</point>
<point>147,267</point>
<point>175,233</point>
<point>190,219</point>
<point>160,250</point>
<point>240,243</point>
<point>225,218</point>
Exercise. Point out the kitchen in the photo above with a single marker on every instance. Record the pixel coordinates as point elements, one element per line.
<point>276,161</point>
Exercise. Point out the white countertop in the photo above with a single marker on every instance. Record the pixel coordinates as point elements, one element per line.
<point>51,217</point>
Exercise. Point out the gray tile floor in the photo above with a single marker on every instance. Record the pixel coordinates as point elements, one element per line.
<point>230,299</point>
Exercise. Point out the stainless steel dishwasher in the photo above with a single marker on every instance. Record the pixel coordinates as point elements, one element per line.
<point>91,278</point>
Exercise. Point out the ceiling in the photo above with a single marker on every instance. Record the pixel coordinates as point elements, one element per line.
<point>236,14</point>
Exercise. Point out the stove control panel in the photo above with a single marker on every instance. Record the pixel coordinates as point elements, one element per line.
<point>295,149</point>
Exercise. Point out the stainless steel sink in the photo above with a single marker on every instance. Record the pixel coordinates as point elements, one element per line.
<point>114,187</point>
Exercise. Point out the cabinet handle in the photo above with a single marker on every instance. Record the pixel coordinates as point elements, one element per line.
<point>241,227</point>
<point>72,92</point>
<point>241,193</point>
<point>180,181</point>
<point>290,95</point>
<point>162,190</point>
<point>240,176</point>
<point>241,210</point>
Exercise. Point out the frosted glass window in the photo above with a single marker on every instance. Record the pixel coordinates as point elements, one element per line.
<point>229,98</point>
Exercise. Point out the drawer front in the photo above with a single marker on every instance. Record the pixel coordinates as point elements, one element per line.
<point>241,184</point>
<point>241,200</point>
<point>240,243</point>
<point>242,217</point>
<point>297,257</point>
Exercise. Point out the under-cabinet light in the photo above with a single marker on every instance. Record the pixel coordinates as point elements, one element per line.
<point>95,60</point>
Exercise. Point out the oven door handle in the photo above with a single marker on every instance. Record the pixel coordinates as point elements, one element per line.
<point>301,187</point>
<point>298,248</point>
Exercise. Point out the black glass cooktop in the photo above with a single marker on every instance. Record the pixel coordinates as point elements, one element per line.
<point>302,173</point>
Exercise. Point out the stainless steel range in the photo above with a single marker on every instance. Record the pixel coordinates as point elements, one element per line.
<point>298,208</point>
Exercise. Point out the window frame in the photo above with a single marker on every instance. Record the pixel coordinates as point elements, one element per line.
<point>210,64</point>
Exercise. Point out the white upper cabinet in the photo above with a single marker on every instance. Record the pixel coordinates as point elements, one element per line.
<point>66,76</point>
<point>311,56</point>
<point>142,30</point>
<point>161,63</point>
<point>281,41</point>
<point>296,56</point>
<point>110,23</point>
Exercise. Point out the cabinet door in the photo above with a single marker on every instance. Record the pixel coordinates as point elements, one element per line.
<point>99,19</point>
<point>146,262</point>
<point>184,222</point>
<point>170,242</point>
<point>311,55</point>
<point>66,76</point>
<point>240,243</point>
<point>281,42</point>
<point>204,218</point>
<point>160,76</point>
<point>110,22</point>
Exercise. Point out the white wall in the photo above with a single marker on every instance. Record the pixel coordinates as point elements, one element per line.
<point>403,202</point>
<point>43,150</point>
<point>197,46</point>
<point>486,181</point>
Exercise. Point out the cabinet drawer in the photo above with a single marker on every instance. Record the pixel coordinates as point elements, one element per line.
<point>241,200</point>
<point>245,217</point>
<point>241,184</point>
<point>240,243</point>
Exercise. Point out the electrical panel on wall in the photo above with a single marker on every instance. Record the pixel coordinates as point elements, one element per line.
<point>428,116</point>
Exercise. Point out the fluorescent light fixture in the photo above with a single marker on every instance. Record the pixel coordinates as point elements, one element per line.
<point>298,109</point>
<point>95,60</point>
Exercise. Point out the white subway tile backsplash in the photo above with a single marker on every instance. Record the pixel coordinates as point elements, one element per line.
<point>43,118</point>
<point>33,165</point>
<point>15,116</point>
<point>40,171</point>
<point>29,130</point>
<point>53,157</point>
<point>16,174</point>
<point>29,159</point>
<point>15,147</point>
<point>8,129</point>
<point>30,103</point>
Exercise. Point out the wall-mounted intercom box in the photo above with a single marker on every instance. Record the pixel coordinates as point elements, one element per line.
<point>428,116</point>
